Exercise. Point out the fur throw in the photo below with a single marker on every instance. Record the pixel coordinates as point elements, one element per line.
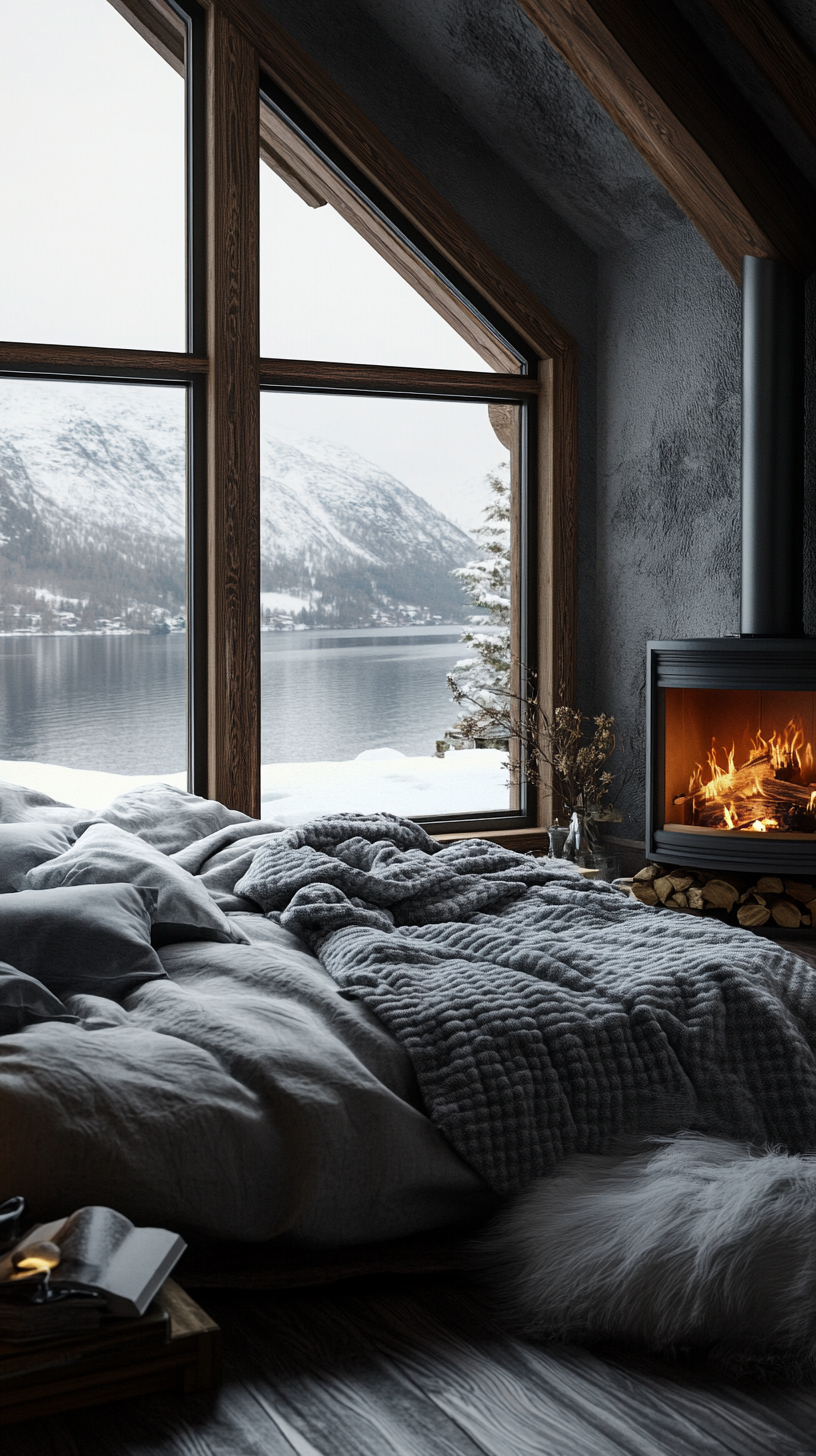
<point>691,1242</point>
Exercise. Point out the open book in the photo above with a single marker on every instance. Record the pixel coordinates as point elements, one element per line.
<point>100,1264</point>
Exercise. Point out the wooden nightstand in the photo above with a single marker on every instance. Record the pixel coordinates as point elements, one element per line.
<point>174,1346</point>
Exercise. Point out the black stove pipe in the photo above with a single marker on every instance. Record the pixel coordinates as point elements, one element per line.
<point>772,449</point>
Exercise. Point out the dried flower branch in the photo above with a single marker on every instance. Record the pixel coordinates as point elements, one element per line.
<point>564,754</point>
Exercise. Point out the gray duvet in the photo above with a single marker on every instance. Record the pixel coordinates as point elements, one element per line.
<point>243,1097</point>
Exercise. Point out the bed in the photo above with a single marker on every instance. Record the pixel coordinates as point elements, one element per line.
<point>241,1096</point>
<point>341,1034</point>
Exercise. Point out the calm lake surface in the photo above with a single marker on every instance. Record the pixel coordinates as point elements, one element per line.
<point>119,703</point>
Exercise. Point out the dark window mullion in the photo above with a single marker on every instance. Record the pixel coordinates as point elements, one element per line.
<point>196,165</point>
<point>316,377</point>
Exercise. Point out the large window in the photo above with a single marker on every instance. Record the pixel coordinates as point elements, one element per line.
<point>255,424</point>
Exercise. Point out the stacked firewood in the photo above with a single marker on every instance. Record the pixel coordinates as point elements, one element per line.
<point>769,900</point>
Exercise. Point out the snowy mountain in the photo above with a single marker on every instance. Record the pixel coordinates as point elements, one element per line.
<point>91,501</point>
<point>92,512</point>
<point>350,540</point>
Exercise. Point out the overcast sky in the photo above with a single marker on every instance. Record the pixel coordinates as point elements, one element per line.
<point>92,248</point>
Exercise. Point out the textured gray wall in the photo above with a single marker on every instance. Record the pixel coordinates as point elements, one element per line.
<point>667,524</point>
<point>530,108</point>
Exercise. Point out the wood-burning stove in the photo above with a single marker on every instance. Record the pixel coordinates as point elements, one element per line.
<point>731,722</point>
<point>731,743</point>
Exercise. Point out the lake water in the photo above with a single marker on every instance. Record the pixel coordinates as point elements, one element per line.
<point>119,703</point>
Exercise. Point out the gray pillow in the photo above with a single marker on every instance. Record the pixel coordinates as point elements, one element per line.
<point>92,938</point>
<point>25,845</point>
<point>168,818</point>
<point>18,804</point>
<point>105,855</point>
<point>23,1000</point>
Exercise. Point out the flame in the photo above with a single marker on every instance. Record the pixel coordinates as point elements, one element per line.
<point>779,767</point>
<point>33,1265</point>
<point>784,752</point>
<point>35,1258</point>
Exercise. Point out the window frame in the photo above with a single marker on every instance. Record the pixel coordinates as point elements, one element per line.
<point>229,44</point>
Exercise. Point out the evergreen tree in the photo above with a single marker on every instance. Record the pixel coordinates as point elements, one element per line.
<point>480,684</point>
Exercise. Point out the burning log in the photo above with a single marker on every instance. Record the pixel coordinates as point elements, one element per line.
<point>773,790</point>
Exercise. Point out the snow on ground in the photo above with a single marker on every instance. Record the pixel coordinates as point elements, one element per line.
<point>85,787</point>
<point>286,603</point>
<point>380,780</point>
<point>460,783</point>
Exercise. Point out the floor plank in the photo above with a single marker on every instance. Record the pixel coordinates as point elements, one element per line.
<point>391,1367</point>
<point>333,1385</point>
<point>541,1400</point>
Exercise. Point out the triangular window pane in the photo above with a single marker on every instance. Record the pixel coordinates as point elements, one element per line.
<point>328,294</point>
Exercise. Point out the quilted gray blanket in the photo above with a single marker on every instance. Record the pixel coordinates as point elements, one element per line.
<point>545,1014</point>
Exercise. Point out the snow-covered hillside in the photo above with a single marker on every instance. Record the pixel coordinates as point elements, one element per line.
<point>92,492</point>
<point>92,511</point>
<point>350,540</point>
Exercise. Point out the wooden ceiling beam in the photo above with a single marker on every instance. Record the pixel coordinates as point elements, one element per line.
<point>713,154</point>
<point>777,53</point>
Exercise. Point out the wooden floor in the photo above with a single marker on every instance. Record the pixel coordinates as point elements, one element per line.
<point>397,1368</point>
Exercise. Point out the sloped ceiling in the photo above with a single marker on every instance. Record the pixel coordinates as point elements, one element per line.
<point>529,108</point>
<point>526,104</point>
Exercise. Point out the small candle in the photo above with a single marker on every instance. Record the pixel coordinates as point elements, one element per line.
<point>35,1258</point>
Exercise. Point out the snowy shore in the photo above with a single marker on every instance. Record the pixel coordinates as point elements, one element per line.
<point>291,793</point>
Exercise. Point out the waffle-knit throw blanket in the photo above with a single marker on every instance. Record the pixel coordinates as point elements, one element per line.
<point>545,1014</point>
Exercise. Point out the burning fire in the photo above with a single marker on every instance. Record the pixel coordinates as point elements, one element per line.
<point>773,789</point>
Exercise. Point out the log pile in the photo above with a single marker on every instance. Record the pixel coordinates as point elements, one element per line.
<point>769,901</point>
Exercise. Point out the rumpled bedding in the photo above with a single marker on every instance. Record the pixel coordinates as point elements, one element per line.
<point>567,1018</point>
<point>242,1097</point>
<point>253,1092</point>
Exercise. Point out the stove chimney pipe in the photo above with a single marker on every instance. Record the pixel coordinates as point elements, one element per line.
<point>772,449</point>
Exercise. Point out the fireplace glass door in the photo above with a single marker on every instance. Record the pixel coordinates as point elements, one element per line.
<point>739,763</point>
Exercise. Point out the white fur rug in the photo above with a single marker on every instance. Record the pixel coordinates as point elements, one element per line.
<point>693,1242</point>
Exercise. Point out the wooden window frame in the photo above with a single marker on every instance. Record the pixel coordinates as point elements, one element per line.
<point>230,43</point>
